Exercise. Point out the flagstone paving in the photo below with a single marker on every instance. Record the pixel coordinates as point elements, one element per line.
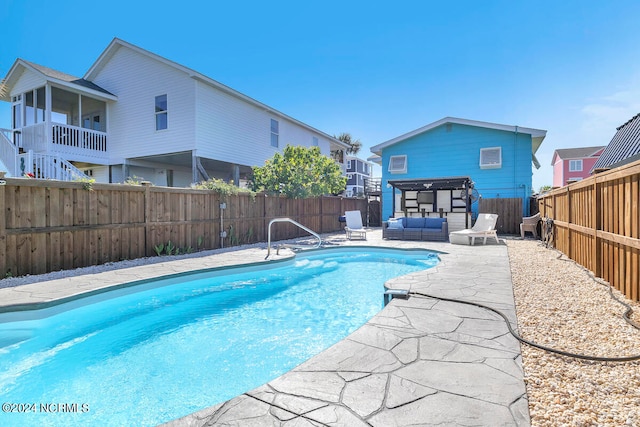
<point>420,361</point>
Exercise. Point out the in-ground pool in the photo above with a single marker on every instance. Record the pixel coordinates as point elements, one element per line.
<point>162,349</point>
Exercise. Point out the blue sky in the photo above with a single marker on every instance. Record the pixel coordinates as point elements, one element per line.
<point>376,69</point>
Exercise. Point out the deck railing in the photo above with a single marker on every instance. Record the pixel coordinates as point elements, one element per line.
<point>47,166</point>
<point>68,141</point>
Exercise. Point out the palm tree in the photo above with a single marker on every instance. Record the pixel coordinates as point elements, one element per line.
<point>354,144</point>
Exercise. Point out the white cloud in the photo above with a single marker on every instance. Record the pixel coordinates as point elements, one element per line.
<point>603,116</point>
<point>591,124</point>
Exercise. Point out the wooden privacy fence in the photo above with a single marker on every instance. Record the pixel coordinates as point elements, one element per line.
<point>597,224</point>
<point>53,225</point>
<point>509,212</point>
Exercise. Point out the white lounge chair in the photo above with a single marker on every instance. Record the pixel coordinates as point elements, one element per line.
<point>484,227</point>
<point>354,225</point>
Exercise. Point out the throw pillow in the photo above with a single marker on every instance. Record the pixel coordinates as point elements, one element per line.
<point>395,224</point>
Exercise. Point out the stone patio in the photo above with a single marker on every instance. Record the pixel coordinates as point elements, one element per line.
<point>420,361</point>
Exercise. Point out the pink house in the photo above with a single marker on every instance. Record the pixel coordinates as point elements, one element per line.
<point>573,164</point>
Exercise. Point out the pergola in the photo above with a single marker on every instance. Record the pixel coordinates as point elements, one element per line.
<point>462,183</point>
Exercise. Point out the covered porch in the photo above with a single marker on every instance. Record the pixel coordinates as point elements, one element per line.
<point>56,114</point>
<point>449,198</point>
<point>50,120</point>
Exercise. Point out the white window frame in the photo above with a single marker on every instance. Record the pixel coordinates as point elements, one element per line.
<point>490,163</point>
<point>160,112</point>
<point>275,133</point>
<point>398,168</point>
<point>573,162</point>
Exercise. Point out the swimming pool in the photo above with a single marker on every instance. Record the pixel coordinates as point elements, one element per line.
<point>162,349</point>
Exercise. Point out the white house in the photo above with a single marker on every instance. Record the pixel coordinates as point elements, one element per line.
<point>135,113</point>
<point>357,171</point>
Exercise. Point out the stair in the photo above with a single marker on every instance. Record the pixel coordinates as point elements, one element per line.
<point>41,166</point>
<point>8,153</point>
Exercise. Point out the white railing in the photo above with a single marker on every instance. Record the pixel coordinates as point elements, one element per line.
<point>69,141</point>
<point>47,166</point>
<point>308,230</point>
<point>73,136</point>
<point>8,152</point>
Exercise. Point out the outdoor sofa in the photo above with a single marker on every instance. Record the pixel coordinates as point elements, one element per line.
<point>434,229</point>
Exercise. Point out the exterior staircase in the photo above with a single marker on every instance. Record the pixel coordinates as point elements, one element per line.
<point>36,165</point>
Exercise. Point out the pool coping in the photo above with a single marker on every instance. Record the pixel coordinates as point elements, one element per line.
<point>418,361</point>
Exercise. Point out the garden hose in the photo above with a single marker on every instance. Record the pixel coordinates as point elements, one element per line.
<point>526,341</point>
<point>629,310</point>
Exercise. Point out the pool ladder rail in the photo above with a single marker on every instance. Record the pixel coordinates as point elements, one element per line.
<point>308,230</point>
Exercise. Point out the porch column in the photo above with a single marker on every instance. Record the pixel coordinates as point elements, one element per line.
<point>48,128</point>
<point>125,170</point>
<point>194,167</point>
<point>235,175</point>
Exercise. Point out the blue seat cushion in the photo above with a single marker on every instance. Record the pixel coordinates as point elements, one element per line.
<point>434,222</point>
<point>415,223</point>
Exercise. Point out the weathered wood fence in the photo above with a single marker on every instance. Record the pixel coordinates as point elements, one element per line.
<point>597,224</point>
<point>509,212</point>
<point>53,225</point>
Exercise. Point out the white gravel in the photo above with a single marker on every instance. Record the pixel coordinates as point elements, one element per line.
<point>560,305</point>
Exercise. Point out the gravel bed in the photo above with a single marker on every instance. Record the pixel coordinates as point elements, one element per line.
<point>560,305</point>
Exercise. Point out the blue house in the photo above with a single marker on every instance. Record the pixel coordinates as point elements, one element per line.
<point>358,171</point>
<point>444,168</point>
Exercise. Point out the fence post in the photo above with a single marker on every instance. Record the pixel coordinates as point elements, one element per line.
<point>569,246</point>
<point>147,213</point>
<point>596,252</point>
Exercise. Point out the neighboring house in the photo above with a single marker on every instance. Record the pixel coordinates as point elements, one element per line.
<point>357,171</point>
<point>135,113</point>
<point>573,164</point>
<point>453,155</point>
<point>624,147</point>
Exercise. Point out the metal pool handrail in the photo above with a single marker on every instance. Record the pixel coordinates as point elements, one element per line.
<point>294,223</point>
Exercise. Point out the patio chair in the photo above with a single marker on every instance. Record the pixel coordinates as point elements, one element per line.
<point>484,227</point>
<point>354,226</point>
<point>530,223</point>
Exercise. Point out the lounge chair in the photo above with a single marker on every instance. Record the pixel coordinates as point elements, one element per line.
<point>354,225</point>
<point>530,223</point>
<point>484,227</point>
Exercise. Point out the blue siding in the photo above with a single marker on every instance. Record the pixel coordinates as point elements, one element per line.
<point>454,150</point>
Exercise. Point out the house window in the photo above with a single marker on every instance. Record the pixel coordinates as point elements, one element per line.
<point>161,112</point>
<point>491,158</point>
<point>575,165</point>
<point>348,164</point>
<point>275,132</point>
<point>315,141</point>
<point>398,164</point>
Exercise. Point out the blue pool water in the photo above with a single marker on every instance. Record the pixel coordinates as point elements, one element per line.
<point>160,350</point>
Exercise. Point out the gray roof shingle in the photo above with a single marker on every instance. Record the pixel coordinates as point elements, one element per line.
<point>576,153</point>
<point>623,148</point>
<point>49,72</point>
